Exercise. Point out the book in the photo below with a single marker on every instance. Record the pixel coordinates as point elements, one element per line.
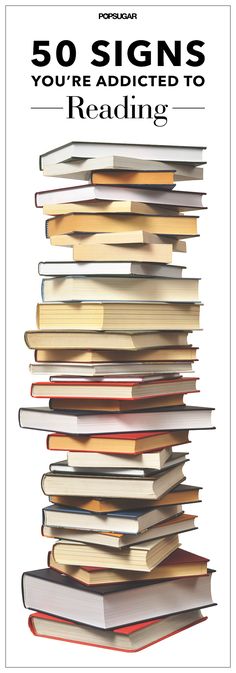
<point>123,316</point>
<point>85,150</point>
<point>151,252</point>
<point>180,563</point>
<point>132,269</point>
<point>179,353</point>
<point>153,460</point>
<point>128,639</point>
<point>74,423</point>
<point>77,339</point>
<point>177,525</point>
<point>108,207</point>
<point>89,248</point>
<point>119,289</point>
<point>82,169</point>
<point>64,466</point>
<point>142,556</point>
<point>120,443</point>
<point>163,197</point>
<point>113,405</point>
<point>121,238</point>
<point>154,178</point>
<point>108,606</point>
<point>126,521</point>
<point>111,369</point>
<point>172,224</point>
<point>58,483</point>
<point>114,390</point>
<point>180,494</point>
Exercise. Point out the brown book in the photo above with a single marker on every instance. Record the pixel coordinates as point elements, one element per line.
<point>127,443</point>
<point>114,390</point>
<point>126,178</point>
<point>115,405</point>
<point>118,316</point>
<point>180,495</point>
<point>180,563</point>
<point>148,355</point>
<point>175,225</point>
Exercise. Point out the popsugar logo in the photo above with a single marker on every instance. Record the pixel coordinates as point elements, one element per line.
<point>119,15</point>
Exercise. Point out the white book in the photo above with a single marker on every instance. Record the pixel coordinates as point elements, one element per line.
<point>148,269</point>
<point>182,524</point>
<point>136,471</point>
<point>70,288</point>
<point>82,169</point>
<point>174,198</point>
<point>74,423</point>
<point>113,368</point>
<point>85,150</point>
<point>154,460</point>
<point>132,521</point>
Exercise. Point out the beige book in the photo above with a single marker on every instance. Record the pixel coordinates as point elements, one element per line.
<point>123,316</point>
<point>172,224</point>
<point>131,341</point>
<point>71,288</point>
<point>115,253</point>
<point>147,355</point>
<point>100,206</point>
<point>132,238</point>
<point>143,556</point>
<point>174,566</point>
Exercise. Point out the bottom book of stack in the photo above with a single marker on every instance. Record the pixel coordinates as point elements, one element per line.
<point>122,615</point>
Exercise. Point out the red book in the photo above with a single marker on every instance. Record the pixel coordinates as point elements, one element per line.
<point>130,638</point>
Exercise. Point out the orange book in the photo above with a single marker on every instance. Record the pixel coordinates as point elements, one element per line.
<point>126,178</point>
<point>130,443</point>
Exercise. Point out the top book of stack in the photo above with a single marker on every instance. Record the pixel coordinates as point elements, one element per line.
<point>74,151</point>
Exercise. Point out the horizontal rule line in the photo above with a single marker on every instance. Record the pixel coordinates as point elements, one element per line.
<point>188,108</point>
<point>47,108</point>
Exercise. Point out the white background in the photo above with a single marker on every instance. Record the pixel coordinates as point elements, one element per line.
<point>29,134</point>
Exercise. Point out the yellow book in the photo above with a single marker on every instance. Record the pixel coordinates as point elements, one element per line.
<point>172,224</point>
<point>121,316</point>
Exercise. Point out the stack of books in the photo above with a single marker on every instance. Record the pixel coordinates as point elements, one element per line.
<point>114,333</point>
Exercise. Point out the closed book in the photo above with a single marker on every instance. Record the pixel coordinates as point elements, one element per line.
<point>151,487</point>
<point>98,206</point>
<point>81,169</point>
<point>108,606</point>
<point>149,252</point>
<point>113,405</point>
<point>127,639</point>
<point>75,150</point>
<point>135,471</point>
<point>130,269</point>
<point>164,224</point>
<point>111,369</point>
<point>117,289</point>
<point>142,556</point>
<point>148,355</point>
<point>126,521</point>
<point>133,443</point>
<point>180,563</point>
<point>177,525</point>
<point>163,197</point>
<point>121,316</point>
<point>117,390</point>
<point>153,460</point>
<point>74,423</point>
<point>131,341</point>
<point>180,494</point>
